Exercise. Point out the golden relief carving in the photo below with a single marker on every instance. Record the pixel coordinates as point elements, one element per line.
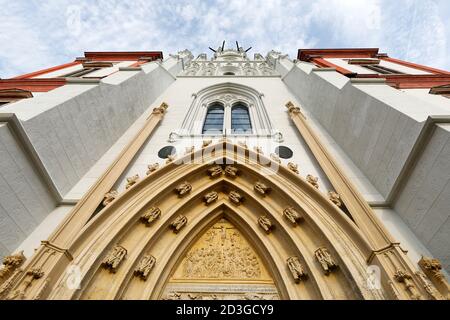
<point>292,215</point>
<point>326,261</point>
<point>178,223</point>
<point>114,258</point>
<point>215,171</point>
<point>210,197</point>
<point>145,266</point>
<point>235,197</point>
<point>110,197</point>
<point>433,267</point>
<point>262,188</point>
<point>296,269</point>
<point>405,278</point>
<point>231,171</point>
<point>428,286</point>
<point>183,189</point>
<point>150,216</point>
<point>221,253</point>
<point>10,264</point>
<point>293,167</point>
<point>265,224</point>
<point>335,198</point>
<point>152,168</point>
<point>131,181</point>
<point>314,181</point>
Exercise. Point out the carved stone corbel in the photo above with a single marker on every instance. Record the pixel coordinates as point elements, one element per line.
<point>235,197</point>
<point>183,189</point>
<point>110,197</point>
<point>326,261</point>
<point>152,168</point>
<point>265,224</point>
<point>231,171</point>
<point>296,269</point>
<point>114,258</point>
<point>405,278</point>
<point>145,266</point>
<point>293,167</point>
<point>210,197</point>
<point>314,181</point>
<point>131,181</point>
<point>150,216</point>
<point>10,265</point>
<point>178,223</point>
<point>292,215</point>
<point>215,171</point>
<point>261,188</point>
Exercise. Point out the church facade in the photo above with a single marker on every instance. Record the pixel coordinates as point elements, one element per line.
<point>130,175</point>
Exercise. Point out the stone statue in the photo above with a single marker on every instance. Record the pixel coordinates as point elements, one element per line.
<point>261,188</point>
<point>293,167</point>
<point>266,224</point>
<point>145,266</point>
<point>296,269</point>
<point>335,198</point>
<point>131,181</point>
<point>325,260</point>
<point>183,189</point>
<point>178,223</point>
<point>210,197</point>
<point>215,171</point>
<point>231,171</point>
<point>110,197</point>
<point>152,168</point>
<point>235,197</point>
<point>314,181</point>
<point>114,258</point>
<point>10,264</point>
<point>292,215</point>
<point>151,215</point>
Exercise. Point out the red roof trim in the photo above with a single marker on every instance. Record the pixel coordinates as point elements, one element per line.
<point>33,85</point>
<point>48,70</point>
<point>415,66</point>
<point>308,54</point>
<point>123,56</point>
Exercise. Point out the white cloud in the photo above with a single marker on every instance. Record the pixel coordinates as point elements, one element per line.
<point>36,34</point>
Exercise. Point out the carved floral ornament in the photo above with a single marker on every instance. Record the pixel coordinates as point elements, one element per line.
<point>217,171</point>
<point>150,216</point>
<point>10,264</point>
<point>152,168</point>
<point>210,197</point>
<point>110,197</point>
<point>145,266</point>
<point>114,258</point>
<point>292,215</point>
<point>262,188</point>
<point>326,261</point>
<point>235,197</point>
<point>293,167</point>
<point>161,109</point>
<point>265,223</point>
<point>296,269</point>
<point>131,181</point>
<point>183,189</point>
<point>178,223</point>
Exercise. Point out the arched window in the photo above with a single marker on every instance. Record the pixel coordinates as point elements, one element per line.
<point>240,119</point>
<point>214,120</point>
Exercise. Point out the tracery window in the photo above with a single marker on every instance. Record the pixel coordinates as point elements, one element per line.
<point>213,123</point>
<point>240,119</point>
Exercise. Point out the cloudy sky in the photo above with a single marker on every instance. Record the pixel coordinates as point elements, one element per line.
<point>36,34</point>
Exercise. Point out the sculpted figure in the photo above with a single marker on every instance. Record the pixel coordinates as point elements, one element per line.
<point>404,277</point>
<point>293,167</point>
<point>131,181</point>
<point>335,198</point>
<point>231,171</point>
<point>152,168</point>
<point>145,266</point>
<point>183,189</point>
<point>325,260</point>
<point>296,269</point>
<point>265,223</point>
<point>292,215</point>
<point>210,197</point>
<point>215,171</point>
<point>10,264</point>
<point>235,197</point>
<point>178,223</point>
<point>261,188</point>
<point>110,197</point>
<point>114,258</point>
<point>314,181</point>
<point>151,215</point>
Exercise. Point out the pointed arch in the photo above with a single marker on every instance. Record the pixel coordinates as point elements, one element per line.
<point>118,223</point>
